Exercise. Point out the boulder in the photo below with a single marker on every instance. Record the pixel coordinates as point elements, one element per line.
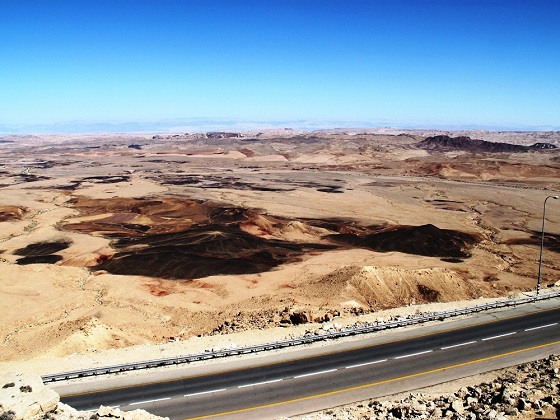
<point>457,406</point>
<point>300,317</point>
<point>109,412</point>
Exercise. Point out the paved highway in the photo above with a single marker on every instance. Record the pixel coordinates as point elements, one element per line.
<point>288,387</point>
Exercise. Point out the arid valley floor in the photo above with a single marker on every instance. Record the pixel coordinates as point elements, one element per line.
<point>113,241</point>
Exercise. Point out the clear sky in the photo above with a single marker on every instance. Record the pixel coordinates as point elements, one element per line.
<point>417,62</point>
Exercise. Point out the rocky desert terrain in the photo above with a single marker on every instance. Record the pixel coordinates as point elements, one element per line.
<point>527,391</point>
<point>113,241</point>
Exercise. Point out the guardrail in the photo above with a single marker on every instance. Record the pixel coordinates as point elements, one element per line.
<point>294,341</point>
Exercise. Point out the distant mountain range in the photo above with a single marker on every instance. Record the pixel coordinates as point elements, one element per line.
<point>233,124</point>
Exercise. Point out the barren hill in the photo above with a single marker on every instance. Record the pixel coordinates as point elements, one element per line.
<point>446,143</point>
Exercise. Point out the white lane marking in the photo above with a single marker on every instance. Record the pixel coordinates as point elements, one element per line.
<point>458,345</point>
<point>413,354</point>
<point>150,401</point>
<point>365,364</point>
<point>260,383</point>
<point>498,336</point>
<point>314,373</point>
<point>204,392</point>
<point>542,326</point>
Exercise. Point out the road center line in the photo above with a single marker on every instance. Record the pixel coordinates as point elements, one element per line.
<point>413,354</point>
<point>260,383</point>
<point>314,373</point>
<point>150,401</point>
<point>205,392</point>
<point>458,345</point>
<point>542,326</point>
<point>498,336</point>
<point>381,382</point>
<point>365,364</point>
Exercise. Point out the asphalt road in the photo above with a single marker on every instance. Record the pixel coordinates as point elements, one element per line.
<point>274,387</point>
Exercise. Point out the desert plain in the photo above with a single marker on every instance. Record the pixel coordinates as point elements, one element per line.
<point>115,241</point>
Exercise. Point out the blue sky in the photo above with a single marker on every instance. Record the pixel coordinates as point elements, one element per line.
<point>419,63</point>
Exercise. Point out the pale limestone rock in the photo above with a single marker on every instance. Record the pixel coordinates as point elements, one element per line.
<point>457,406</point>
<point>30,399</point>
<point>26,395</point>
<point>140,415</point>
<point>104,411</point>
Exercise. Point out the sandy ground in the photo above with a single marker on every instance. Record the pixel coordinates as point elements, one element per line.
<point>103,240</point>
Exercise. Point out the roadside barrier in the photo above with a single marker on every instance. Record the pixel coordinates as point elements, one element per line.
<point>330,335</point>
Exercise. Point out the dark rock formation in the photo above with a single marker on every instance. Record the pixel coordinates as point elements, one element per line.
<point>42,248</point>
<point>419,240</point>
<point>39,259</point>
<point>543,146</point>
<point>202,251</point>
<point>185,239</point>
<point>223,135</point>
<point>41,252</point>
<point>444,143</point>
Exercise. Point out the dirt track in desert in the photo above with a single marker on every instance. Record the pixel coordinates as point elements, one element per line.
<point>112,241</point>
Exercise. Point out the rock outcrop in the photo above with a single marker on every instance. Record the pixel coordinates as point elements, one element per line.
<point>65,412</point>
<point>25,397</point>
<point>543,146</point>
<point>223,135</point>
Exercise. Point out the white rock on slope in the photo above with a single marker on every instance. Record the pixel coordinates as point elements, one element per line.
<point>25,397</point>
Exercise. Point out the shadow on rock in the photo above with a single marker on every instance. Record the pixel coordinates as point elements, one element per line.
<point>203,251</point>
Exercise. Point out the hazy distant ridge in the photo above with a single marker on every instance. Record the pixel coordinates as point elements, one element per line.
<point>232,124</point>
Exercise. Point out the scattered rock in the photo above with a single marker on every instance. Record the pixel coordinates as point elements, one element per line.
<point>526,391</point>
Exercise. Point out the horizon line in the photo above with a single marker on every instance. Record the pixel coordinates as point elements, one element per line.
<point>209,124</point>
